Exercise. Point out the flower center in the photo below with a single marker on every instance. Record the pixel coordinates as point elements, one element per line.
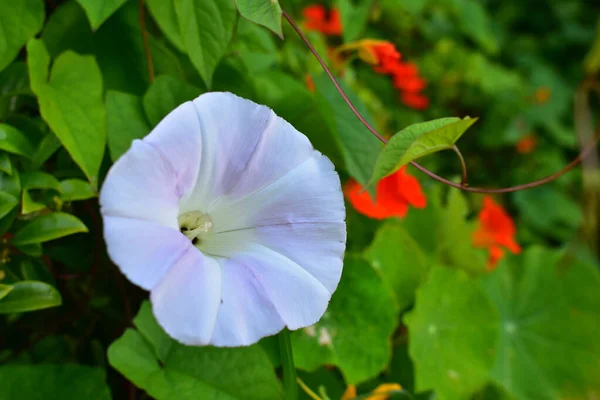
<point>194,224</point>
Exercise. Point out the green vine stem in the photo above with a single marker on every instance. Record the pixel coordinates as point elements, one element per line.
<point>290,385</point>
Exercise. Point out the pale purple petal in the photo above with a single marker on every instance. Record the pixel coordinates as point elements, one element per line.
<point>187,300</point>
<point>316,247</point>
<point>141,185</point>
<point>299,298</point>
<point>178,139</point>
<point>247,147</point>
<point>143,250</point>
<point>246,313</point>
<point>310,193</point>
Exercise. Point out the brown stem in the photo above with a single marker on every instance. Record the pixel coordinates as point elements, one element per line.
<point>462,185</point>
<point>463,165</point>
<point>146,41</point>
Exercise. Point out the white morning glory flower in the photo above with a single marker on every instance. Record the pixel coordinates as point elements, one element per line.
<point>230,218</point>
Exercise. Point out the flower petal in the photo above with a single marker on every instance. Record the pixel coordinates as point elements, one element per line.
<point>141,185</point>
<point>246,313</point>
<point>143,250</point>
<point>310,193</point>
<point>317,248</point>
<point>299,298</point>
<point>178,139</point>
<point>258,148</point>
<point>187,300</point>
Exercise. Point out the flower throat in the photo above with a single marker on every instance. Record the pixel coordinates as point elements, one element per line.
<point>194,224</point>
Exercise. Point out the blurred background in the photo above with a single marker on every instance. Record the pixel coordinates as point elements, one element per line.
<point>445,294</point>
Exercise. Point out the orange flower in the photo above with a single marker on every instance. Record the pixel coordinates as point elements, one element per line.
<point>384,391</point>
<point>542,95</point>
<point>387,57</point>
<point>496,231</point>
<point>412,85</point>
<point>386,60</point>
<point>381,392</point>
<point>310,84</point>
<point>527,144</point>
<point>394,195</point>
<point>349,393</point>
<point>415,100</point>
<point>317,19</point>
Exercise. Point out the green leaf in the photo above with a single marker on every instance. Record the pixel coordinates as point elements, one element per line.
<point>53,382</point>
<point>419,140</point>
<point>206,28</point>
<point>189,373</point>
<point>549,211</point>
<point>454,246</point>
<point>20,20</point>
<point>71,103</point>
<point>29,296</point>
<point>164,14</point>
<point>76,189</point>
<point>263,12</point>
<point>5,164</point>
<point>13,141</point>
<point>39,180</point>
<point>10,184</point>
<point>7,203</point>
<point>125,121</point>
<point>33,269</point>
<point>549,325</point>
<point>99,11</point>
<point>359,147</point>
<point>47,146</point>
<point>34,250</point>
<point>48,227</point>
<point>256,49</point>
<point>38,64</point>
<point>591,63</point>
<point>354,17</point>
<point>29,205</point>
<point>452,335</point>
<point>402,263</point>
<point>152,332</point>
<point>165,94</point>
<point>475,22</point>
<point>355,332</point>
<point>4,290</point>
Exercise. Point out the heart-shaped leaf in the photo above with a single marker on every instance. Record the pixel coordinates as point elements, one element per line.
<point>419,140</point>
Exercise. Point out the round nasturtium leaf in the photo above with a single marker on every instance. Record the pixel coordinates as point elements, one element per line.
<point>451,335</point>
<point>549,326</point>
<point>355,332</point>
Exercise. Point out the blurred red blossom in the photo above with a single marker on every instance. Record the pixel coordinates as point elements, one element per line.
<point>527,144</point>
<point>496,232</point>
<point>394,194</point>
<point>310,83</point>
<point>318,19</point>
<point>386,60</point>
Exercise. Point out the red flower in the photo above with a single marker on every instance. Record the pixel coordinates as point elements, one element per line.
<point>415,100</point>
<point>394,194</point>
<point>334,26</point>
<point>387,60</point>
<point>412,85</point>
<point>496,231</point>
<point>317,19</point>
<point>527,144</point>
<point>310,84</point>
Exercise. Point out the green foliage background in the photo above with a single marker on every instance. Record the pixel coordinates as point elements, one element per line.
<point>416,305</point>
